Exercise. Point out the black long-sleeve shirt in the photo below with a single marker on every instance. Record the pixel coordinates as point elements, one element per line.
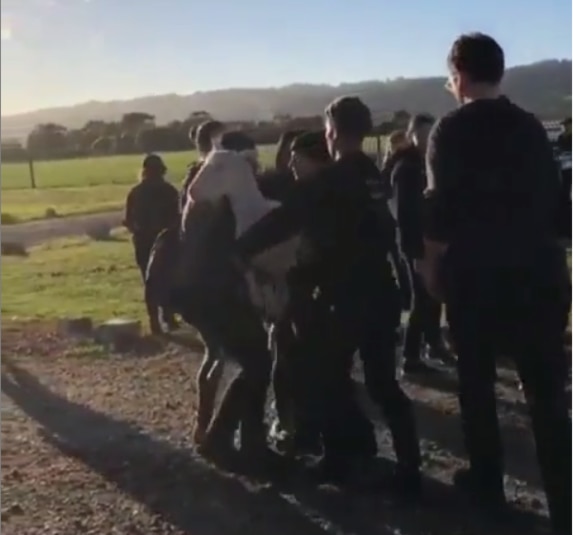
<point>493,184</point>
<point>408,181</point>
<point>336,216</point>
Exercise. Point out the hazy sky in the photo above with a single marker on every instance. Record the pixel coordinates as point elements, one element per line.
<point>60,52</point>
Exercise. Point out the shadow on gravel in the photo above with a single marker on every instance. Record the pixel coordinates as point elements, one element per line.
<point>198,500</point>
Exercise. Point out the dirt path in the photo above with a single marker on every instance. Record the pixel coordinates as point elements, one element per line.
<point>102,445</point>
<point>35,232</point>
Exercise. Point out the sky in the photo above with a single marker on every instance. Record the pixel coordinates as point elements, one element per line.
<point>63,52</point>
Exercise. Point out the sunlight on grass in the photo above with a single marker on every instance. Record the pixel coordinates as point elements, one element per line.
<point>74,277</point>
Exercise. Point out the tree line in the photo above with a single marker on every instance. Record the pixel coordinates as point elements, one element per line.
<point>137,132</point>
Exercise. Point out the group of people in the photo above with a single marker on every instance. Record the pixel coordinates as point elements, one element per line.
<point>290,273</point>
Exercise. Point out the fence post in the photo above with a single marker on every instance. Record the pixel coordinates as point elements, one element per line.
<point>31,167</point>
<point>379,149</point>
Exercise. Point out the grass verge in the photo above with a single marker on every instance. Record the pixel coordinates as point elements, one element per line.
<point>71,278</point>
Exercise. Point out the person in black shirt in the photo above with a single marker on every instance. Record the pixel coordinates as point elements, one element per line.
<point>492,255</point>
<point>408,180</point>
<point>293,430</point>
<point>356,302</point>
<point>151,207</point>
<point>275,183</point>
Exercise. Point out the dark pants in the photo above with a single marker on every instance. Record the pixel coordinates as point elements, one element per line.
<point>292,353</point>
<point>424,322</point>
<point>142,247</point>
<point>364,320</point>
<point>228,318</point>
<point>377,345</point>
<point>522,313</point>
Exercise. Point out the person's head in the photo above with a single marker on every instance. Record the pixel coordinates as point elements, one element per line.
<point>308,154</point>
<point>476,66</point>
<point>206,135</point>
<point>566,124</point>
<point>283,149</point>
<point>243,144</point>
<point>348,121</point>
<point>152,168</point>
<point>419,129</point>
<point>397,140</point>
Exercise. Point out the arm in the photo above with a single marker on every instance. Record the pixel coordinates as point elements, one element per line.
<point>442,168</point>
<point>282,222</point>
<point>409,197</point>
<point>129,215</point>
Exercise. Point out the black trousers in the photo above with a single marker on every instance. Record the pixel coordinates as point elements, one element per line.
<point>424,322</point>
<point>291,352</point>
<point>143,246</point>
<point>364,321</point>
<point>522,313</point>
<point>225,315</point>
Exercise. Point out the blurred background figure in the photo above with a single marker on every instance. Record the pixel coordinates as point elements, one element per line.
<point>151,207</point>
<point>276,183</point>
<point>408,181</point>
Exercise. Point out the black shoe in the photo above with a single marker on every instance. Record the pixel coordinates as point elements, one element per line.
<point>489,497</point>
<point>418,367</point>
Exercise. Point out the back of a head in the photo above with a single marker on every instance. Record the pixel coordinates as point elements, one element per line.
<point>203,135</point>
<point>350,116</point>
<point>479,57</point>
<point>284,147</point>
<point>312,145</point>
<point>152,167</point>
<point>237,141</point>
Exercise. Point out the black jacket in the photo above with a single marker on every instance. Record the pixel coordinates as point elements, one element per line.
<point>408,180</point>
<point>337,218</point>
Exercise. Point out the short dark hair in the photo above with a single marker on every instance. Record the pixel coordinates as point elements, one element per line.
<point>479,56</point>
<point>203,134</point>
<point>312,145</point>
<point>283,147</point>
<point>237,141</point>
<point>350,116</point>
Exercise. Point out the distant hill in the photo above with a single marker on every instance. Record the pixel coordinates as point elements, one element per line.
<point>543,88</point>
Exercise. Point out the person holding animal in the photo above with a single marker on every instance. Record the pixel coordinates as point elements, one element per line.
<point>355,295</point>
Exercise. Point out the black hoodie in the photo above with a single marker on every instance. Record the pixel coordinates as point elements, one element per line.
<point>408,181</point>
<point>337,218</point>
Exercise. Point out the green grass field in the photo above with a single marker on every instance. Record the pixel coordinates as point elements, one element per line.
<point>85,185</point>
<point>88,185</point>
<point>71,278</point>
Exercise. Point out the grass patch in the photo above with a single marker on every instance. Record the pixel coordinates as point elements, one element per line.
<point>25,205</point>
<point>89,185</point>
<point>72,278</point>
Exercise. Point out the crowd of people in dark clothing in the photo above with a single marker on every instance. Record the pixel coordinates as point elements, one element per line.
<point>318,263</point>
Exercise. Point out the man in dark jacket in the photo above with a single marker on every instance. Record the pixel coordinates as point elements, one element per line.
<point>354,291</point>
<point>492,254</point>
<point>151,207</point>
<point>408,179</point>
<point>276,183</point>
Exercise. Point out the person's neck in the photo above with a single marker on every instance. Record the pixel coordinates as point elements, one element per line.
<point>482,92</point>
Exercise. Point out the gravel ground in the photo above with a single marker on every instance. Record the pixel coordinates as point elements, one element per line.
<point>101,445</point>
